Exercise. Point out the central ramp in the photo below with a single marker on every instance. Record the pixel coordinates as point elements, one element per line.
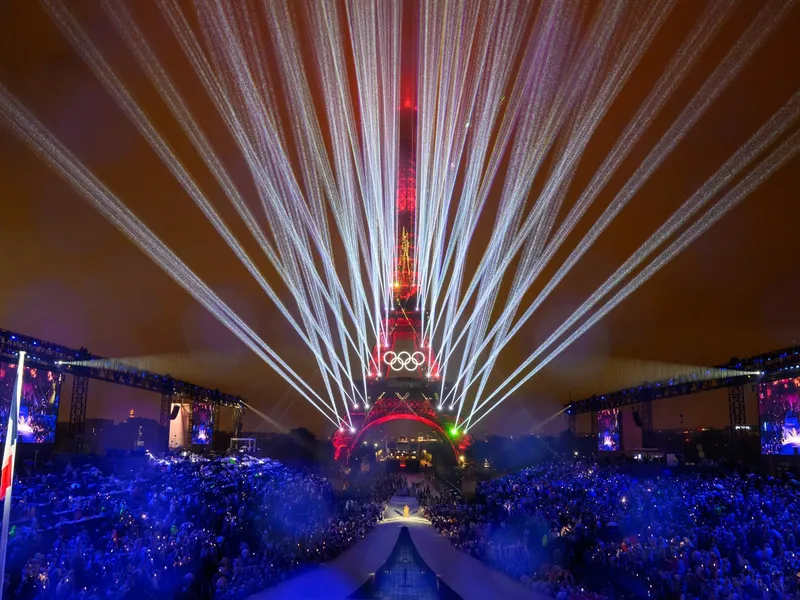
<point>339,578</point>
<point>466,576</point>
<point>392,564</point>
<point>405,576</point>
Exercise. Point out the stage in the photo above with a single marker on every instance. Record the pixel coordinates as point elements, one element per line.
<point>341,577</point>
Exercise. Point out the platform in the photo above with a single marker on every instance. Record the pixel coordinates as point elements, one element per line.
<point>343,576</point>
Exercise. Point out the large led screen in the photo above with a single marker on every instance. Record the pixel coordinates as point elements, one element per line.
<point>778,412</point>
<point>38,411</point>
<point>608,430</point>
<point>202,425</point>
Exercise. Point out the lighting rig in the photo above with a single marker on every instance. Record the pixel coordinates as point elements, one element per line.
<point>763,367</point>
<point>83,366</point>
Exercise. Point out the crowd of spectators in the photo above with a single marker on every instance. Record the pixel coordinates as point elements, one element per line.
<point>187,527</point>
<point>179,527</point>
<point>576,530</point>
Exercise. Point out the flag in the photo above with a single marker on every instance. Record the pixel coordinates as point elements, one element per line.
<point>8,454</point>
<point>10,450</point>
<point>7,475</point>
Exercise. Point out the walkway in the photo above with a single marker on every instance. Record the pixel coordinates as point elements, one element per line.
<point>467,576</point>
<point>341,577</point>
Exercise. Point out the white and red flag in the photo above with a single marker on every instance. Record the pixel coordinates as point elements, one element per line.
<point>10,451</point>
<point>7,476</point>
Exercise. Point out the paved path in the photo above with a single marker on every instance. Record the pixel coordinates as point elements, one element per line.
<point>467,576</point>
<point>341,577</point>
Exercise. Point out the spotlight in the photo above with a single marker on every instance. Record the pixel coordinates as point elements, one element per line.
<point>352,430</point>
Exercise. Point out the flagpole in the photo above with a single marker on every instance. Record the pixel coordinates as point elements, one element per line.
<point>9,455</point>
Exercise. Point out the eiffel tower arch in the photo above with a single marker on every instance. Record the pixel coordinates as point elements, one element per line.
<point>405,404</point>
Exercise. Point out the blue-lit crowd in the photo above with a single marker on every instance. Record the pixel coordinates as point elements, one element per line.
<point>179,527</point>
<point>186,527</point>
<point>575,531</point>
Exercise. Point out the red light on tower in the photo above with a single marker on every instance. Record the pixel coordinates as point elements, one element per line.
<point>407,104</point>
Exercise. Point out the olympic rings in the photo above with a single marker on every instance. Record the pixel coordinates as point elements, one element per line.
<point>404,360</point>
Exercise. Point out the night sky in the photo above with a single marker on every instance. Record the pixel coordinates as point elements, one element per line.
<point>72,278</point>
